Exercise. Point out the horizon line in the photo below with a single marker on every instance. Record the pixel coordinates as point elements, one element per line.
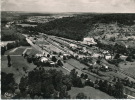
<point>72,12</point>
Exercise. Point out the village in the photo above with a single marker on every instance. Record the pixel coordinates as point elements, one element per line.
<point>84,56</point>
<point>45,64</point>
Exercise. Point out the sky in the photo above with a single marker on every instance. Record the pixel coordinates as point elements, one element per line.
<point>99,6</point>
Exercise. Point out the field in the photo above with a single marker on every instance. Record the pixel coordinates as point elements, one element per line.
<point>32,51</point>
<point>18,62</point>
<point>27,25</point>
<point>128,68</point>
<point>90,92</point>
<point>77,64</point>
<point>16,51</point>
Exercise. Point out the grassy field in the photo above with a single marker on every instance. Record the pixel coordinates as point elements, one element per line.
<point>32,51</point>
<point>58,69</point>
<point>16,51</point>
<point>90,92</point>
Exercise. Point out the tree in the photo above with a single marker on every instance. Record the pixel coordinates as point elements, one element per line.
<point>98,61</point>
<point>112,39</point>
<point>81,96</point>
<point>23,84</point>
<point>9,59</point>
<point>67,81</point>
<point>54,59</point>
<point>3,49</point>
<point>117,56</point>
<point>59,63</point>
<point>48,55</point>
<point>29,59</point>
<point>82,75</point>
<point>64,58</point>
<point>7,82</point>
<point>119,90</point>
<point>85,76</point>
<point>129,58</point>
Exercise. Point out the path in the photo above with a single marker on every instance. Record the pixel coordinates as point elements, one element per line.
<point>14,50</point>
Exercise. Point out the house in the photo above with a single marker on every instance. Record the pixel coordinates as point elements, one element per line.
<point>89,41</point>
<point>73,46</point>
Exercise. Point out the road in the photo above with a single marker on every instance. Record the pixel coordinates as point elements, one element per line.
<point>36,46</point>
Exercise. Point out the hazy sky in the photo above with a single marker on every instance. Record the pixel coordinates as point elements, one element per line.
<point>103,6</point>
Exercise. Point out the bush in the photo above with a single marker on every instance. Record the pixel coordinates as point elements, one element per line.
<point>82,75</point>
<point>3,49</point>
<point>129,58</point>
<point>133,57</point>
<point>81,96</point>
<point>10,46</point>
<point>29,60</point>
<point>85,76</point>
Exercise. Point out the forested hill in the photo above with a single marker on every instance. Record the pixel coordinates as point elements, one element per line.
<point>82,25</point>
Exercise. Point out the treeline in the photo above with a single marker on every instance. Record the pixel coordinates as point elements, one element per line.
<point>7,83</point>
<point>22,42</point>
<point>11,34</point>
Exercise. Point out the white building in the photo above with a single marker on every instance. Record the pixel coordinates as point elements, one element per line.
<point>73,46</point>
<point>89,41</point>
<point>44,59</point>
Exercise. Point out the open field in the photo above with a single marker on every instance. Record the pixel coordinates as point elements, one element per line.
<point>90,92</point>
<point>16,51</point>
<point>27,25</point>
<point>129,67</point>
<point>32,51</point>
<point>18,62</point>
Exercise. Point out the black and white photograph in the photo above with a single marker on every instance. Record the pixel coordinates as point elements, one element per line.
<point>67,49</point>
